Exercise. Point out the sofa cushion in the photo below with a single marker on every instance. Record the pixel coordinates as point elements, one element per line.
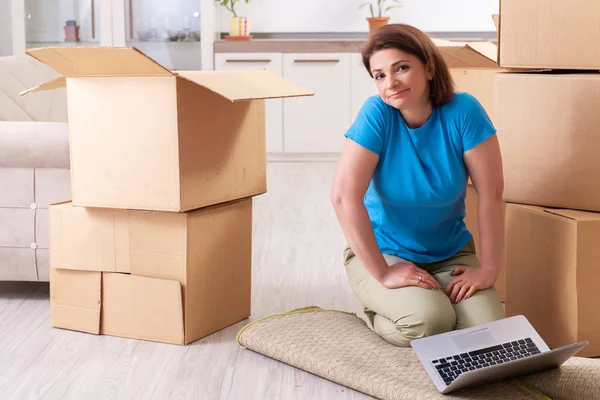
<point>17,187</point>
<point>17,227</point>
<point>34,144</point>
<point>52,185</point>
<point>18,73</point>
<point>42,262</point>
<point>24,228</point>
<point>17,264</point>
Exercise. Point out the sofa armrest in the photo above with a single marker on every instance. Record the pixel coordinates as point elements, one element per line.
<point>28,144</point>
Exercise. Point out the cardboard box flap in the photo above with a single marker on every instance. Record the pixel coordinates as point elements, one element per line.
<point>56,83</point>
<point>574,214</point>
<point>468,54</point>
<point>142,308</point>
<point>245,85</point>
<point>75,299</point>
<point>98,61</point>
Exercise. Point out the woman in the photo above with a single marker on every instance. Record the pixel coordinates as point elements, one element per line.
<point>399,191</point>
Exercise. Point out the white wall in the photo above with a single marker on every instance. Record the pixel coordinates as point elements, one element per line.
<point>5,28</point>
<point>12,27</point>
<point>345,15</point>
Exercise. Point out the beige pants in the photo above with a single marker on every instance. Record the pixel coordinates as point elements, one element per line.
<point>407,313</point>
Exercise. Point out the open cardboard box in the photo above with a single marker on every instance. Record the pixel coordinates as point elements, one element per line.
<point>160,276</point>
<point>481,54</point>
<point>473,67</point>
<point>143,137</point>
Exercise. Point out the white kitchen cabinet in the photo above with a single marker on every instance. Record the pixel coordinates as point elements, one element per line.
<point>362,85</point>
<point>317,124</point>
<point>273,107</point>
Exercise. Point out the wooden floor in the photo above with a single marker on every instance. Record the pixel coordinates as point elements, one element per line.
<point>297,261</point>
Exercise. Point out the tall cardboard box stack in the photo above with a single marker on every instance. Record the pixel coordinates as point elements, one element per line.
<point>548,122</point>
<point>473,66</point>
<point>157,241</point>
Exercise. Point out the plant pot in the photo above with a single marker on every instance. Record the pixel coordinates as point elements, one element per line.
<point>71,34</point>
<point>376,23</point>
<point>239,29</point>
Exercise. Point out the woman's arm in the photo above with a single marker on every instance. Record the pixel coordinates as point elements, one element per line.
<point>352,177</point>
<point>350,183</point>
<point>484,163</point>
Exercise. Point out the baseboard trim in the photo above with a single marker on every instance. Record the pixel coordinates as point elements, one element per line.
<point>303,157</point>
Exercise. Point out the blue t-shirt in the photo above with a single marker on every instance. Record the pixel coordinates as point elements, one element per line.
<point>416,198</point>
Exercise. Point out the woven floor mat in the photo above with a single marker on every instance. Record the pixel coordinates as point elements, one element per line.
<point>338,346</point>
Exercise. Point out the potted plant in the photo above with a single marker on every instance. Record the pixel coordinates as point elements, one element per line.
<point>378,8</point>
<point>239,28</point>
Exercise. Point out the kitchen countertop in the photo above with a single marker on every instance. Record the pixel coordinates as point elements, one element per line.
<point>322,42</point>
<point>290,46</point>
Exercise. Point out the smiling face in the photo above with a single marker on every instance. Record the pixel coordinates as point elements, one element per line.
<point>402,79</point>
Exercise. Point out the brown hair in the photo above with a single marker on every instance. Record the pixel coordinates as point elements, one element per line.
<point>411,40</point>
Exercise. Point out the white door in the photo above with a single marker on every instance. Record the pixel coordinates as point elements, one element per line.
<point>362,85</point>
<point>317,124</point>
<point>273,107</point>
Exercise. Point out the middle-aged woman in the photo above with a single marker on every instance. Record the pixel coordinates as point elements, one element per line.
<point>399,192</point>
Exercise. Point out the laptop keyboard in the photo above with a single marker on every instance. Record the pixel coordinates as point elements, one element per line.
<point>451,367</point>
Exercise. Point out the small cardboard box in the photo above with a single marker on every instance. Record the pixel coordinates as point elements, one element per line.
<point>557,34</point>
<point>471,221</point>
<point>473,67</point>
<point>548,131</point>
<point>553,275</point>
<point>143,137</point>
<point>162,276</point>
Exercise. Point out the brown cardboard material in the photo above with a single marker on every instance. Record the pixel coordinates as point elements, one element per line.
<point>142,308</point>
<point>472,66</point>
<point>89,239</point>
<point>496,19</point>
<point>75,298</point>
<point>468,54</point>
<point>189,269</point>
<point>553,277</point>
<point>478,82</point>
<point>117,304</point>
<point>557,34</point>
<point>471,221</point>
<point>146,138</point>
<point>547,128</point>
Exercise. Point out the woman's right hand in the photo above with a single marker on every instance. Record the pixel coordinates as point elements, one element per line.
<point>404,273</point>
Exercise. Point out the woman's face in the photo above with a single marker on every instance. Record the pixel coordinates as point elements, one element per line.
<point>401,78</point>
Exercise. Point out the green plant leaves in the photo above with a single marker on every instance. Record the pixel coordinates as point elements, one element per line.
<point>370,7</point>
<point>381,9</point>
<point>230,5</point>
<point>392,7</point>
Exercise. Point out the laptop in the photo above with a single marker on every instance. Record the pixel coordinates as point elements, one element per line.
<point>488,352</point>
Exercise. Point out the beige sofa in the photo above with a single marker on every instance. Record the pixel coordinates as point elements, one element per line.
<point>34,166</point>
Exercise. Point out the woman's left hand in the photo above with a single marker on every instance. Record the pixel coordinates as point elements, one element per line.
<point>469,281</point>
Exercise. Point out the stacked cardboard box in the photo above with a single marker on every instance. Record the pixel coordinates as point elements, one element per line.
<point>547,119</point>
<point>473,66</point>
<point>156,243</point>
